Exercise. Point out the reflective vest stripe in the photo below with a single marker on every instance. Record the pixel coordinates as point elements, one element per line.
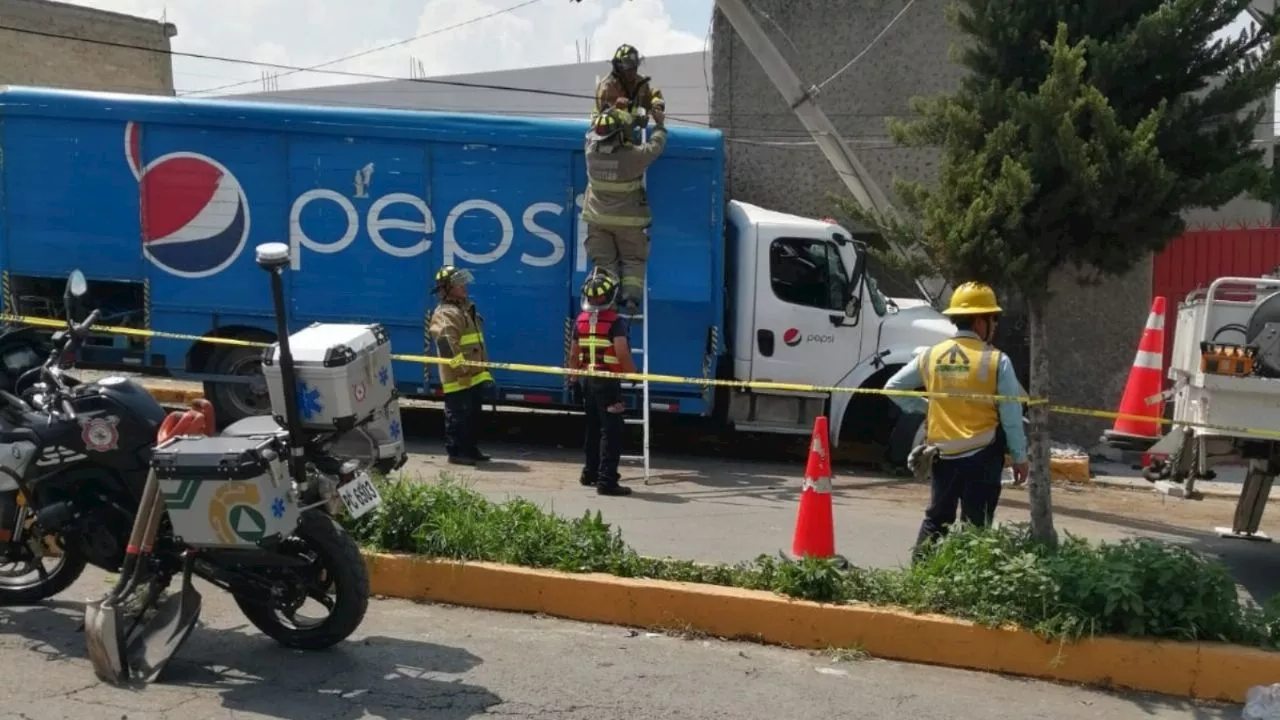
<point>595,347</point>
<point>465,383</point>
<point>610,220</point>
<point>471,338</point>
<point>614,186</point>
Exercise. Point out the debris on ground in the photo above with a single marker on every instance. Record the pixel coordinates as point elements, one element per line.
<point>1066,450</point>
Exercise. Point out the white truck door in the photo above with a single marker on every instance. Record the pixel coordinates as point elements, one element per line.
<point>802,334</point>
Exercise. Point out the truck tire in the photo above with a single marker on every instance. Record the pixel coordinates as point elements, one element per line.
<point>908,432</point>
<point>232,402</point>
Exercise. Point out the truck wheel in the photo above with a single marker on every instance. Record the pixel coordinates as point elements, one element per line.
<point>237,401</point>
<point>908,432</point>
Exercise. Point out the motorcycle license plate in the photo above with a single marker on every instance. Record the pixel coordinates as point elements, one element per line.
<point>360,496</point>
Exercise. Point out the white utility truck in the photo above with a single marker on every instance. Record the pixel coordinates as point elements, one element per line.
<point>1225,370</point>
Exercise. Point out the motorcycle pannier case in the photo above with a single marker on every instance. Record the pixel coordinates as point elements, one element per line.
<point>226,492</point>
<point>344,375</point>
<point>381,440</point>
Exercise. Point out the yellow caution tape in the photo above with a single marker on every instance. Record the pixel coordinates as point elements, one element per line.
<point>1262,433</point>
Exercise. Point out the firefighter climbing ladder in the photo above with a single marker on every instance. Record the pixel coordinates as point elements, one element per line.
<point>643,351</point>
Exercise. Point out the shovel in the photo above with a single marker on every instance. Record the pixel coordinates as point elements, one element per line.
<point>103,631</point>
<point>175,618</point>
<point>118,656</point>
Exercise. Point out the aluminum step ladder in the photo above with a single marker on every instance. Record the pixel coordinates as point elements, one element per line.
<point>643,351</point>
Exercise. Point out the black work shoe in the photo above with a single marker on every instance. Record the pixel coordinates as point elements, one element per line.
<point>462,460</point>
<point>586,480</point>
<point>479,456</point>
<point>613,489</point>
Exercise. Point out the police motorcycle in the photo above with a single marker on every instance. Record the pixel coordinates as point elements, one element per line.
<point>83,479</point>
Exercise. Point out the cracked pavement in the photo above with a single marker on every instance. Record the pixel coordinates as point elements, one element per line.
<point>414,661</point>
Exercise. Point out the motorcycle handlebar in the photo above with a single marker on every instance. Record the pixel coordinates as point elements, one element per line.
<point>83,327</point>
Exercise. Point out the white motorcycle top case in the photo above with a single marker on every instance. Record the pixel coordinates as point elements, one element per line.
<point>379,439</point>
<point>226,492</point>
<point>343,373</point>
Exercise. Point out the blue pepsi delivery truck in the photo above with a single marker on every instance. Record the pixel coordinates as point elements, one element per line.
<point>160,202</point>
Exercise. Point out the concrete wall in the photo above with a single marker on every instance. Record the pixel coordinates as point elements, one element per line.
<point>1094,330</point>
<point>27,59</point>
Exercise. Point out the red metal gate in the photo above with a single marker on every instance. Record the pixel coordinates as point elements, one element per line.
<point>1199,257</point>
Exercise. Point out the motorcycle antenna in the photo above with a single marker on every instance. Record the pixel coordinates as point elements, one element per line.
<point>273,257</point>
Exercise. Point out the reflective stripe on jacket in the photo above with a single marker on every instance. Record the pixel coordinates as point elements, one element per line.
<point>961,365</point>
<point>595,347</point>
<point>615,194</point>
<point>462,328</point>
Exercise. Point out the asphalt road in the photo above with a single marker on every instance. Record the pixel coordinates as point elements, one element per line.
<point>413,662</point>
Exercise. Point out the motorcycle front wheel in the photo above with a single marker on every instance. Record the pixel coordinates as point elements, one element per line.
<point>335,577</point>
<point>25,578</point>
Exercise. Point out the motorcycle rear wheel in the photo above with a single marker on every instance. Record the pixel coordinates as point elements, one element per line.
<point>337,566</point>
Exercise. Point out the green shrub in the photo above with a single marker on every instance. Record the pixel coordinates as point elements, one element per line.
<point>1141,588</point>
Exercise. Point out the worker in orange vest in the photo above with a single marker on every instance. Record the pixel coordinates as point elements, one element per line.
<point>600,344</point>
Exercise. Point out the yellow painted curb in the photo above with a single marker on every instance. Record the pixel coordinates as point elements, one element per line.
<point>1072,470</point>
<point>1208,671</point>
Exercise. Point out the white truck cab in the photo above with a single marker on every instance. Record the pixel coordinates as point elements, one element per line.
<point>804,310</point>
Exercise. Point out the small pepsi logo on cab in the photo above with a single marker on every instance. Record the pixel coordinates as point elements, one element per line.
<point>791,337</point>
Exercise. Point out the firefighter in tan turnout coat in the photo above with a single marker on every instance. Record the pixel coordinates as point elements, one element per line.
<point>457,330</point>
<point>616,207</point>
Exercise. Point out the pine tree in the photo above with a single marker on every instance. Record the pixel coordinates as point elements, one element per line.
<point>1082,131</point>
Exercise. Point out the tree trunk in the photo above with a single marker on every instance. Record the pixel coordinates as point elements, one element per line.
<point>1039,485</point>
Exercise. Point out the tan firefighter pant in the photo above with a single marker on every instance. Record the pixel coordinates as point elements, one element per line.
<point>623,251</point>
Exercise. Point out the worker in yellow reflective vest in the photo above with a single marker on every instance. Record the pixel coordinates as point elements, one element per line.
<point>457,330</point>
<point>965,438</point>
<point>616,207</point>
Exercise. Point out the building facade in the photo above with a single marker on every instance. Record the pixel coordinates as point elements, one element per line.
<point>91,50</point>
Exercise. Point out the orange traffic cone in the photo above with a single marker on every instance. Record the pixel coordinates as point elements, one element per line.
<point>815,528</point>
<point>1145,382</point>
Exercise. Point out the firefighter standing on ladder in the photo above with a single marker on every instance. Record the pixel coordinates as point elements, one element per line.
<point>965,439</point>
<point>457,330</point>
<point>600,344</point>
<point>616,207</point>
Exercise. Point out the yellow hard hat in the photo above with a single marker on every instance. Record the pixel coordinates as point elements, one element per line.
<point>973,298</point>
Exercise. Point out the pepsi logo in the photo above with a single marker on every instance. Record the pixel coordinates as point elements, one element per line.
<point>791,337</point>
<point>194,212</point>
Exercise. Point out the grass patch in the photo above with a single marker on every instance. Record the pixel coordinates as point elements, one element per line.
<point>1139,588</point>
